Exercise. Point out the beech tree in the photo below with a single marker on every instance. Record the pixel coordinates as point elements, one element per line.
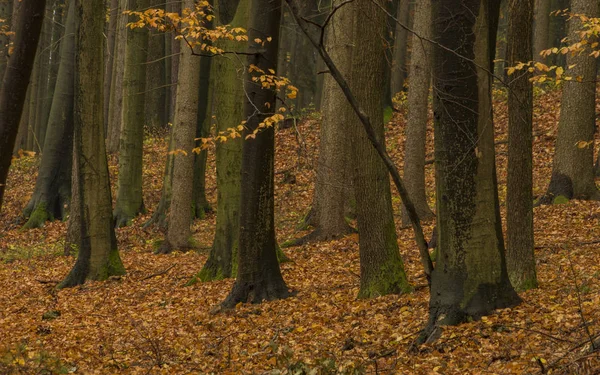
<point>258,274</point>
<point>98,257</point>
<point>129,185</point>
<point>573,164</point>
<point>52,192</point>
<point>14,85</point>
<point>470,278</point>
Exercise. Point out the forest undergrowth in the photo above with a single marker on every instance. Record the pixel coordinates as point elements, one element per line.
<point>149,322</point>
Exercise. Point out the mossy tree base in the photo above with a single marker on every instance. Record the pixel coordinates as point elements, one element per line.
<point>124,217</point>
<point>256,292</point>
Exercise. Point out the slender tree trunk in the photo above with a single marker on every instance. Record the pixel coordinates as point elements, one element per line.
<point>155,76</point>
<point>52,192</point>
<point>118,71</point>
<point>43,95</point>
<point>520,258</point>
<point>228,96</point>
<point>399,67</point>
<point>98,257</point>
<point>542,31</point>
<point>174,7</point>
<point>573,167</point>
<point>258,274</point>
<point>111,39</point>
<point>32,136</point>
<point>16,80</point>
<point>6,12</point>
<point>381,268</point>
<point>416,124</point>
<point>129,185</point>
<point>470,278</point>
<point>184,131</point>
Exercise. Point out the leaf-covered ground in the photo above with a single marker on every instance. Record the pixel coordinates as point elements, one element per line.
<point>148,322</point>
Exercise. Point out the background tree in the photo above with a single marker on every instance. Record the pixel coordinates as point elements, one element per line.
<point>381,269</point>
<point>416,123</point>
<point>573,164</point>
<point>14,85</point>
<point>98,257</point>
<point>399,70</point>
<point>520,258</point>
<point>156,85</point>
<point>542,24</point>
<point>470,278</point>
<point>115,105</point>
<point>52,193</point>
<point>129,185</point>
<point>258,274</point>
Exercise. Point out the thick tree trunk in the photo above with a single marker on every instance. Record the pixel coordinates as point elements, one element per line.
<point>399,67</point>
<point>129,185</point>
<point>258,274</point>
<point>184,132</point>
<point>115,105</point>
<point>52,191</point>
<point>222,261</point>
<point>333,181</point>
<point>416,124</point>
<point>470,278</point>
<point>520,259</point>
<point>542,28</point>
<point>573,168</point>
<point>16,80</point>
<point>98,257</point>
<point>381,268</point>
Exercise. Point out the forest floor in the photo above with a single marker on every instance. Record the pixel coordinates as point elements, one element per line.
<point>148,322</point>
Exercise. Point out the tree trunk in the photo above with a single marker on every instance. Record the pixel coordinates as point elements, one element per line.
<point>573,167</point>
<point>159,217</point>
<point>470,278</point>
<point>155,77</point>
<point>43,95</point>
<point>228,111</point>
<point>129,185</point>
<point>520,259</point>
<point>258,274</point>
<point>184,132</point>
<point>6,12</point>
<point>52,192</point>
<point>14,85</point>
<point>98,257</point>
<point>174,7</point>
<point>401,47</point>
<point>111,39</point>
<point>381,268</point>
<point>542,28</point>
<point>115,105</point>
<point>416,124</point>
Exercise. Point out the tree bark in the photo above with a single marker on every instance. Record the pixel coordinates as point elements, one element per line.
<point>399,68</point>
<point>115,106</point>
<point>416,124</point>
<point>52,193</point>
<point>222,261</point>
<point>184,131</point>
<point>16,80</point>
<point>520,259</point>
<point>130,201</point>
<point>98,257</point>
<point>542,28</point>
<point>573,165</point>
<point>111,39</point>
<point>156,88</point>
<point>258,274</point>
<point>470,278</point>
<point>381,268</point>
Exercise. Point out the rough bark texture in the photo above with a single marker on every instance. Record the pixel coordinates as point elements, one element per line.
<point>470,278</point>
<point>416,124</point>
<point>333,181</point>
<point>520,259</point>
<point>381,268</point>
<point>542,31</point>
<point>129,186</point>
<point>226,73</point>
<point>115,106</point>
<point>184,132</point>
<point>258,274</point>
<point>16,80</point>
<point>573,165</point>
<point>98,257</point>
<point>52,192</point>
<point>399,68</point>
